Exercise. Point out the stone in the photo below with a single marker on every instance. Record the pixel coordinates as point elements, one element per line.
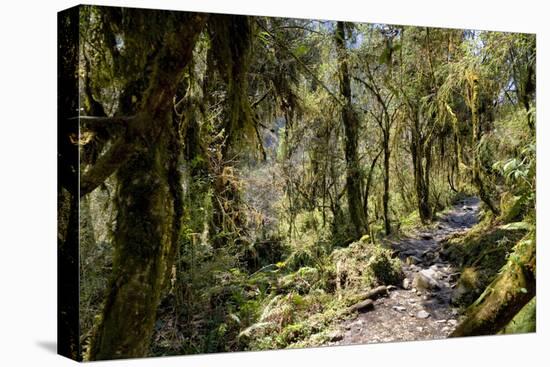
<point>414,268</point>
<point>363,306</point>
<point>452,322</point>
<point>406,283</point>
<point>409,252</point>
<point>425,280</point>
<point>422,314</point>
<point>413,260</point>
<point>441,321</point>
<point>335,336</point>
<point>419,328</point>
<point>399,308</point>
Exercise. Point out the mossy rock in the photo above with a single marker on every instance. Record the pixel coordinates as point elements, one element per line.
<point>511,207</point>
<point>468,287</point>
<point>384,268</point>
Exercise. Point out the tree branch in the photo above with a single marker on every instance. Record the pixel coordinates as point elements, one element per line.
<point>106,165</point>
<point>302,65</point>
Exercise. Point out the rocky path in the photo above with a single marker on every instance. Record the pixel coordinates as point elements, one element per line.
<point>421,308</point>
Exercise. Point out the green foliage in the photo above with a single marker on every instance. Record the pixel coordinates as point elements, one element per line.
<point>268,256</point>
<point>384,268</point>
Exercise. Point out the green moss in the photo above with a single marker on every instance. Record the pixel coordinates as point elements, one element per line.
<point>485,246</point>
<point>292,333</point>
<point>506,295</point>
<point>383,268</point>
<point>511,207</point>
<point>301,281</point>
<point>525,321</point>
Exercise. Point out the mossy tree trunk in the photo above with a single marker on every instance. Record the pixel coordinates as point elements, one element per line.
<point>149,206</point>
<point>421,167</point>
<point>477,178</point>
<point>351,131</point>
<point>507,294</point>
<point>230,53</point>
<point>386,194</point>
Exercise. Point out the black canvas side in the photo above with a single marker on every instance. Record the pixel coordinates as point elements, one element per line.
<point>68,196</point>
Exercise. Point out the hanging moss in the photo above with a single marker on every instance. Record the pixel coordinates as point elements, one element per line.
<point>231,46</point>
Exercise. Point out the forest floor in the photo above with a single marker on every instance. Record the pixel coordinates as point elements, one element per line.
<point>421,309</point>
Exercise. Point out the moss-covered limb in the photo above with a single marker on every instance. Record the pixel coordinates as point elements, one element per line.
<point>143,243</point>
<point>505,296</point>
<point>106,165</point>
<point>148,207</point>
<point>525,321</point>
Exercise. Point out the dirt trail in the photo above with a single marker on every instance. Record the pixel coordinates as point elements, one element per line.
<point>421,309</point>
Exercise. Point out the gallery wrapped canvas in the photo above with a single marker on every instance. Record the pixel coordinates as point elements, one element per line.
<point>234,183</point>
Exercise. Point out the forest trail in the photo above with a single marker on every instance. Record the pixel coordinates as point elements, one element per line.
<point>421,309</point>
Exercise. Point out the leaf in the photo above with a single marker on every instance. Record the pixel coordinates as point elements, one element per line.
<point>523,290</point>
<point>512,163</point>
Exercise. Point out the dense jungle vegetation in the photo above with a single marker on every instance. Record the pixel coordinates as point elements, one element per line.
<point>242,180</point>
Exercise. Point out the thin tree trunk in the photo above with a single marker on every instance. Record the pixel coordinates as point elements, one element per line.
<point>386,195</point>
<point>421,188</point>
<point>367,190</point>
